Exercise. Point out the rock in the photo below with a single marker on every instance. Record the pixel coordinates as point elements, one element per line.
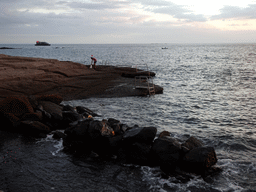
<point>53,109</point>
<point>34,128</point>
<point>77,139</point>
<point>139,73</point>
<point>69,108</point>
<point>166,153</point>
<point>33,101</point>
<point>164,134</point>
<point>115,125</point>
<point>79,131</point>
<point>85,111</point>
<point>124,127</point>
<point>37,116</point>
<point>69,116</point>
<point>90,135</point>
<point>113,121</point>
<point>17,105</point>
<point>192,143</point>
<point>6,48</point>
<point>141,135</point>
<point>138,153</point>
<point>199,159</point>
<point>59,135</point>
<point>57,99</point>
<point>99,128</point>
<point>94,135</point>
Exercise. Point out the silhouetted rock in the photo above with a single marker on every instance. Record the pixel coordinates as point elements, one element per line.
<point>141,135</point>
<point>59,135</point>
<point>166,152</point>
<point>34,128</point>
<point>199,159</point>
<point>69,116</point>
<point>192,143</point>
<point>85,111</point>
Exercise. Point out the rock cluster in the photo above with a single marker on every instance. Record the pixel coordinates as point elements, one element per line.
<point>39,115</point>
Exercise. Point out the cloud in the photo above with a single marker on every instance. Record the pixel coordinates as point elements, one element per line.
<point>94,6</point>
<point>233,12</point>
<point>169,8</point>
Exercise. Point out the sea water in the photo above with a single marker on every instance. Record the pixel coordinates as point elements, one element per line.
<point>209,93</point>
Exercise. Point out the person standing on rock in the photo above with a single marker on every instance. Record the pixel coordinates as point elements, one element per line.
<point>94,60</point>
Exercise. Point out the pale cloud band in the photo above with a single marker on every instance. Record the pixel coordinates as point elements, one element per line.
<point>119,21</point>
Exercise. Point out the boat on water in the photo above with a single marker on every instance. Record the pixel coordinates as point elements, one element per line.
<point>164,48</point>
<point>40,43</point>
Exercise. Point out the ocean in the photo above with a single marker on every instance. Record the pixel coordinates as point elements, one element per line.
<point>209,93</point>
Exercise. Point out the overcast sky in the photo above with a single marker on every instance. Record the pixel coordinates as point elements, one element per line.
<point>127,21</point>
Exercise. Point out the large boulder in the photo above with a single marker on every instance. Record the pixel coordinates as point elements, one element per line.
<point>192,143</point>
<point>139,153</point>
<point>136,145</point>
<point>166,152</point>
<point>16,105</point>
<point>85,111</point>
<point>140,134</point>
<point>90,134</point>
<point>69,116</point>
<point>34,128</point>
<point>53,109</point>
<point>199,159</point>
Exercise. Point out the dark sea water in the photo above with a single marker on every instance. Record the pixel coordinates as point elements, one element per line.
<point>209,92</point>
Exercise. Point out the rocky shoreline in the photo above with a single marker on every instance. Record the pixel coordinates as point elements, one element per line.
<point>38,116</point>
<point>33,89</point>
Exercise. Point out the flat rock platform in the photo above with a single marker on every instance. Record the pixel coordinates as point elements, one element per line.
<point>37,76</point>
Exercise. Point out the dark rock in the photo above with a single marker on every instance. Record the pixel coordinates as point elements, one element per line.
<point>6,48</point>
<point>59,135</point>
<point>18,106</point>
<point>141,135</point>
<point>79,131</point>
<point>69,108</point>
<point>101,128</point>
<point>33,101</point>
<point>192,143</point>
<point>164,134</point>
<point>94,135</point>
<point>34,128</point>
<point>53,109</point>
<point>139,73</point>
<point>115,143</point>
<point>166,152</point>
<point>84,110</point>
<point>199,159</point>
<point>57,99</point>
<point>78,139</point>
<point>112,121</point>
<point>37,116</point>
<point>124,127</point>
<point>69,116</point>
<point>138,153</point>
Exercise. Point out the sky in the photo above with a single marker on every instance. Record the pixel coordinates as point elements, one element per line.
<point>127,21</point>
